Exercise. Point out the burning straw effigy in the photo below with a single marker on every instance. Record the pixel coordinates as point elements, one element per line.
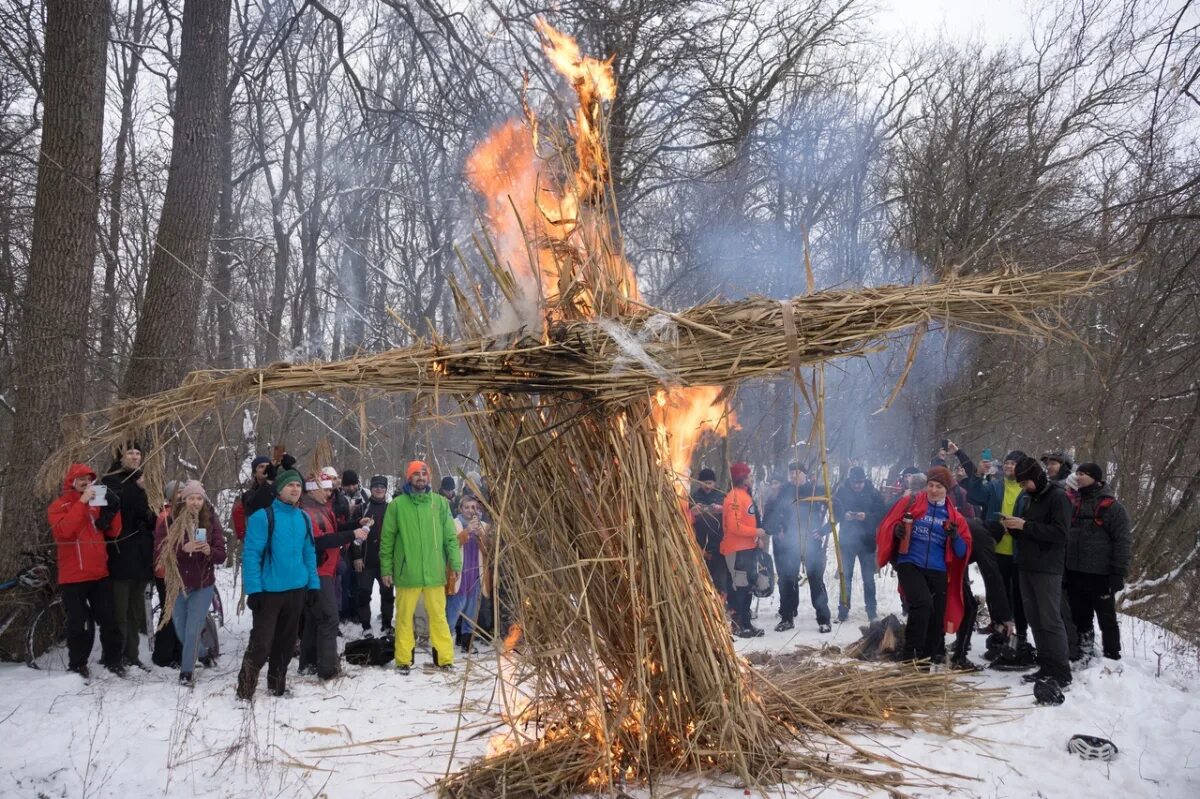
<point>625,653</point>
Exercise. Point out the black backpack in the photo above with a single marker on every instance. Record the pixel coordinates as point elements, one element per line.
<point>371,651</point>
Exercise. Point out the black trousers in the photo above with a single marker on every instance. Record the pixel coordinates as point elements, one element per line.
<point>1091,599</point>
<point>1010,574</point>
<point>272,640</point>
<point>90,605</point>
<point>787,569</point>
<point>319,631</point>
<point>365,586</point>
<point>962,639</point>
<point>718,572</point>
<point>925,590</point>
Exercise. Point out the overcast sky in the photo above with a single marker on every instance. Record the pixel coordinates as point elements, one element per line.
<point>994,21</point>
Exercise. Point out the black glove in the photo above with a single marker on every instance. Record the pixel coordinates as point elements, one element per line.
<point>254,601</point>
<point>951,530</point>
<point>107,514</point>
<point>898,531</point>
<point>1115,583</point>
<point>314,596</point>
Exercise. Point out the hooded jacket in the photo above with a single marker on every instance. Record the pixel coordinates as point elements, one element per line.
<point>1042,545</point>
<point>1102,548</point>
<point>292,560</point>
<point>79,535</point>
<point>886,545</point>
<point>131,554</point>
<point>419,540</point>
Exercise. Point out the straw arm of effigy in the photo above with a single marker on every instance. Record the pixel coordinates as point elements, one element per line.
<point>713,344</point>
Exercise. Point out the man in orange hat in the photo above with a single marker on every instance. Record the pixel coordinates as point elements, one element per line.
<point>418,553</point>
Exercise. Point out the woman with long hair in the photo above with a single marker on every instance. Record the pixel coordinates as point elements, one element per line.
<point>188,543</point>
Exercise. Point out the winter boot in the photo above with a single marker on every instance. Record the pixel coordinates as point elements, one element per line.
<point>784,626</point>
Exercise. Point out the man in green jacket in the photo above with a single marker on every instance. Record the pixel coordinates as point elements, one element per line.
<point>418,552</point>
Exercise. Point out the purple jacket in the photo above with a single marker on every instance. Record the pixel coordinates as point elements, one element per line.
<point>195,569</point>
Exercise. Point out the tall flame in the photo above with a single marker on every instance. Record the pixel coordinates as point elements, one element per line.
<point>553,233</point>
<point>684,416</point>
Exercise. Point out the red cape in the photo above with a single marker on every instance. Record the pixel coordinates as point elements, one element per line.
<point>885,545</point>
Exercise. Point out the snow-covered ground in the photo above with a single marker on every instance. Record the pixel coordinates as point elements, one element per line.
<point>376,733</point>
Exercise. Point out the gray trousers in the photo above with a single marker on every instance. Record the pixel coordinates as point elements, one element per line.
<point>1041,594</point>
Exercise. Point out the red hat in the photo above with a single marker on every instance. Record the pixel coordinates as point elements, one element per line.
<point>940,474</point>
<point>739,472</point>
<point>413,468</point>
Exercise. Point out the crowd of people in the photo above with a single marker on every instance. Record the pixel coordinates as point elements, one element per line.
<point>314,549</point>
<point>1051,545</point>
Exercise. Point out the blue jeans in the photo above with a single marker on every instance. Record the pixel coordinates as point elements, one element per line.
<point>191,609</point>
<point>466,605</point>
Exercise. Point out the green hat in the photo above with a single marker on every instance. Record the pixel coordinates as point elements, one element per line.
<point>287,476</point>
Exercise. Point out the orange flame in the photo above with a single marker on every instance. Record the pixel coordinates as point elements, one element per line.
<point>684,416</point>
<point>536,218</point>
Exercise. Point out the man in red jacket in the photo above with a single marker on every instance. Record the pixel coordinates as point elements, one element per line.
<point>743,535</point>
<point>80,530</point>
<point>319,628</point>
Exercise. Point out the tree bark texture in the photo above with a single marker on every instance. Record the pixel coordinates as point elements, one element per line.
<point>164,348</point>
<point>49,364</point>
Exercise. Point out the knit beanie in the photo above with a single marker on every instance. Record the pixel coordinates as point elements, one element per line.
<point>1015,456</point>
<point>287,476</point>
<point>259,461</point>
<point>413,468</point>
<point>192,488</point>
<point>739,472</point>
<point>1028,469</point>
<point>170,488</point>
<point>448,484</point>
<point>707,474</point>
<point>857,475</point>
<point>349,478</point>
<point>796,466</point>
<point>940,474</point>
<point>1092,470</point>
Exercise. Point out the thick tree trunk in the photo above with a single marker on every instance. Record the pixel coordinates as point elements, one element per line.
<point>49,367</point>
<point>164,348</point>
<point>116,207</point>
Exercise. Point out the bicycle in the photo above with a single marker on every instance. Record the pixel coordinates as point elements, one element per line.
<point>46,628</point>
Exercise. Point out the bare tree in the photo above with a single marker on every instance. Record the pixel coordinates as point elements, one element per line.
<point>50,364</point>
<point>165,343</point>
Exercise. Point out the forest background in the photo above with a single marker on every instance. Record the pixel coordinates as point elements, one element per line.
<point>233,183</point>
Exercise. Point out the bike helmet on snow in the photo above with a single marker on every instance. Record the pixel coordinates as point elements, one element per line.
<point>1089,747</point>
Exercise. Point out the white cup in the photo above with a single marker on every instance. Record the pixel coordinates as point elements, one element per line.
<point>100,499</point>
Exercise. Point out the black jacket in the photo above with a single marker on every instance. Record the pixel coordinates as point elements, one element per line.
<point>1102,548</point>
<point>1042,545</point>
<point>368,550</point>
<point>131,554</point>
<point>258,497</point>
<point>707,524</point>
<point>868,501</point>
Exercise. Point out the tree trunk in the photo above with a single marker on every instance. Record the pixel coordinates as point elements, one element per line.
<point>49,365</point>
<point>116,207</point>
<point>164,347</point>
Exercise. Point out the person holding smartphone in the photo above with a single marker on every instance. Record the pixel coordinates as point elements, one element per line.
<point>187,544</point>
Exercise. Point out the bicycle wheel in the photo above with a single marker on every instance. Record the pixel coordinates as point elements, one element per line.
<point>46,640</point>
